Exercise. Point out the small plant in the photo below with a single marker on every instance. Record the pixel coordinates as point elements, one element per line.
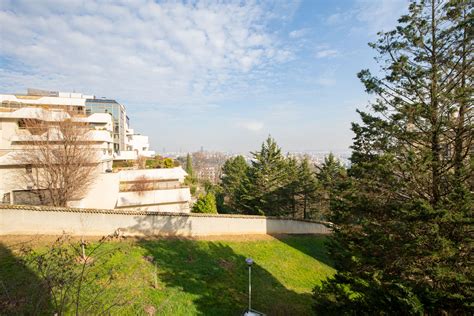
<point>205,204</point>
<point>160,162</point>
<point>69,272</point>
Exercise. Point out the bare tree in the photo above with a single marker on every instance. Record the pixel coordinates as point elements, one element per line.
<point>60,159</point>
<point>141,184</point>
<point>76,282</point>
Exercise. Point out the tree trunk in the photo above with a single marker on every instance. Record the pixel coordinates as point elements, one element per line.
<point>434,104</point>
<point>460,129</point>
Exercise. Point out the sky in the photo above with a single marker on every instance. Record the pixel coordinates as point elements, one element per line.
<point>221,75</point>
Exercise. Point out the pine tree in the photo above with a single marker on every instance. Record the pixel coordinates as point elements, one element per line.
<point>290,188</point>
<point>262,189</point>
<point>234,173</point>
<point>403,226</point>
<point>308,185</point>
<point>330,176</point>
<point>189,166</point>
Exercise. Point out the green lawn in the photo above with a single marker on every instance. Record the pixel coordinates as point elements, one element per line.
<point>195,277</point>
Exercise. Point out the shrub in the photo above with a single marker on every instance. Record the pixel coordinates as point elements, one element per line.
<point>205,204</point>
<point>159,162</point>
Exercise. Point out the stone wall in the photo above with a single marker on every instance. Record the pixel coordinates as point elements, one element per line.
<point>28,220</point>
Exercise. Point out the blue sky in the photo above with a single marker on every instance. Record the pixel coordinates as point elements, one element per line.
<point>222,75</point>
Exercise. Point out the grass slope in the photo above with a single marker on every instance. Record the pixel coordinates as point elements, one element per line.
<point>195,277</point>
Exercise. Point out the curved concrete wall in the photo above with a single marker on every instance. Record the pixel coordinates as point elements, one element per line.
<point>16,220</point>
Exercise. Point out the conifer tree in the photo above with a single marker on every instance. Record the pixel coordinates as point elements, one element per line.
<point>262,190</point>
<point>233,176</point>
<point>308,185</point>
<point>330,176</point>
<point>189,166</point>
<point>403,227</point>
<point>290,188</point>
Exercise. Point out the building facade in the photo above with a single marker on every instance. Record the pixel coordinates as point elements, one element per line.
<point>119,117</point>
<point>109,136</point>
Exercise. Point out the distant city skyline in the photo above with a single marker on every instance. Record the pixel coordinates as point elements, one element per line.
<point>221,76</point>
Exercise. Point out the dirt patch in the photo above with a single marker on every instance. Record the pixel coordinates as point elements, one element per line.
<point>40,240</point>
<point>14,241</point>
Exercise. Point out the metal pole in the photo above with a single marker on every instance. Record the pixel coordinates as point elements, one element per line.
<point>250,287</point>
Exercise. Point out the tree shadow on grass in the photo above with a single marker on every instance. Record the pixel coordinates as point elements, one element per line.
<point>311,245</point>
<point>218,278</point>
<point>21,291</point>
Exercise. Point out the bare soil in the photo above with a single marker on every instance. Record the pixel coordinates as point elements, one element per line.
<point>19,240</point>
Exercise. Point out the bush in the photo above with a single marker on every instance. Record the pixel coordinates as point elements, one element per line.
<point>159,162</point>
<point>205,204</point>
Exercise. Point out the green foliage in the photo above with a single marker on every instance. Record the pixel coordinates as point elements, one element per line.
<point>68,276</point>
<point>190,179</point>
<point>192,183</point>
<point>330,172</point>
<point>272,185</point>
<point>403,217</point>
<point>234,173</point>
<point>263,189</point>
<point>218,192</point>
<point>205,204</point>
<point>193,277</point>
<point>122,164</point>
<point>307,190</point>
<point>189,165</point>
<point>331,178</point>
<point>160,162</point>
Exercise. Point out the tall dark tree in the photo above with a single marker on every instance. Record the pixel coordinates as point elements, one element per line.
<point>234,173</point>
<point>262,190</point>
<point>272,185</point>
<point>189,165</point>
<point>290,188</point>
<point>403,228</point>
<point>330,176</point>
<point>307,190</point>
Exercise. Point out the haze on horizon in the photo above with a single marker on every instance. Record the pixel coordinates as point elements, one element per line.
<point>218,75</point>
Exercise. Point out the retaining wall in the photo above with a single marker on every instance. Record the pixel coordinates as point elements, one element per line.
<point>28,220</point>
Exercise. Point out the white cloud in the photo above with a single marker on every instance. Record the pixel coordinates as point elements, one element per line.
<point>325,51</point>
<point>375,15</point>
<point>338,18</point>
<point>251,125</point>
<point>326,81</point>
<point>327,77</point>
<point>140,51</point>
<point>380,15</point>
<point>298,33</point>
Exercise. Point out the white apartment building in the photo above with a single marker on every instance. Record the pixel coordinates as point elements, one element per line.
<point>163,189</point>
<point>136,145</point>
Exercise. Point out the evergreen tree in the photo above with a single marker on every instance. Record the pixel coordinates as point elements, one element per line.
<point>290,188</point>
<point>262,189</point>
<point>331,175</point>
<point>308,185</point>
<point>189,166</point>
<point>330,171</point>
<point>233,176</point>
<point>403,227</point>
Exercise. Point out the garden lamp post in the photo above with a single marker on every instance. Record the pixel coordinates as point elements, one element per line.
<point>250,311</point>
<point>249,262</point>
